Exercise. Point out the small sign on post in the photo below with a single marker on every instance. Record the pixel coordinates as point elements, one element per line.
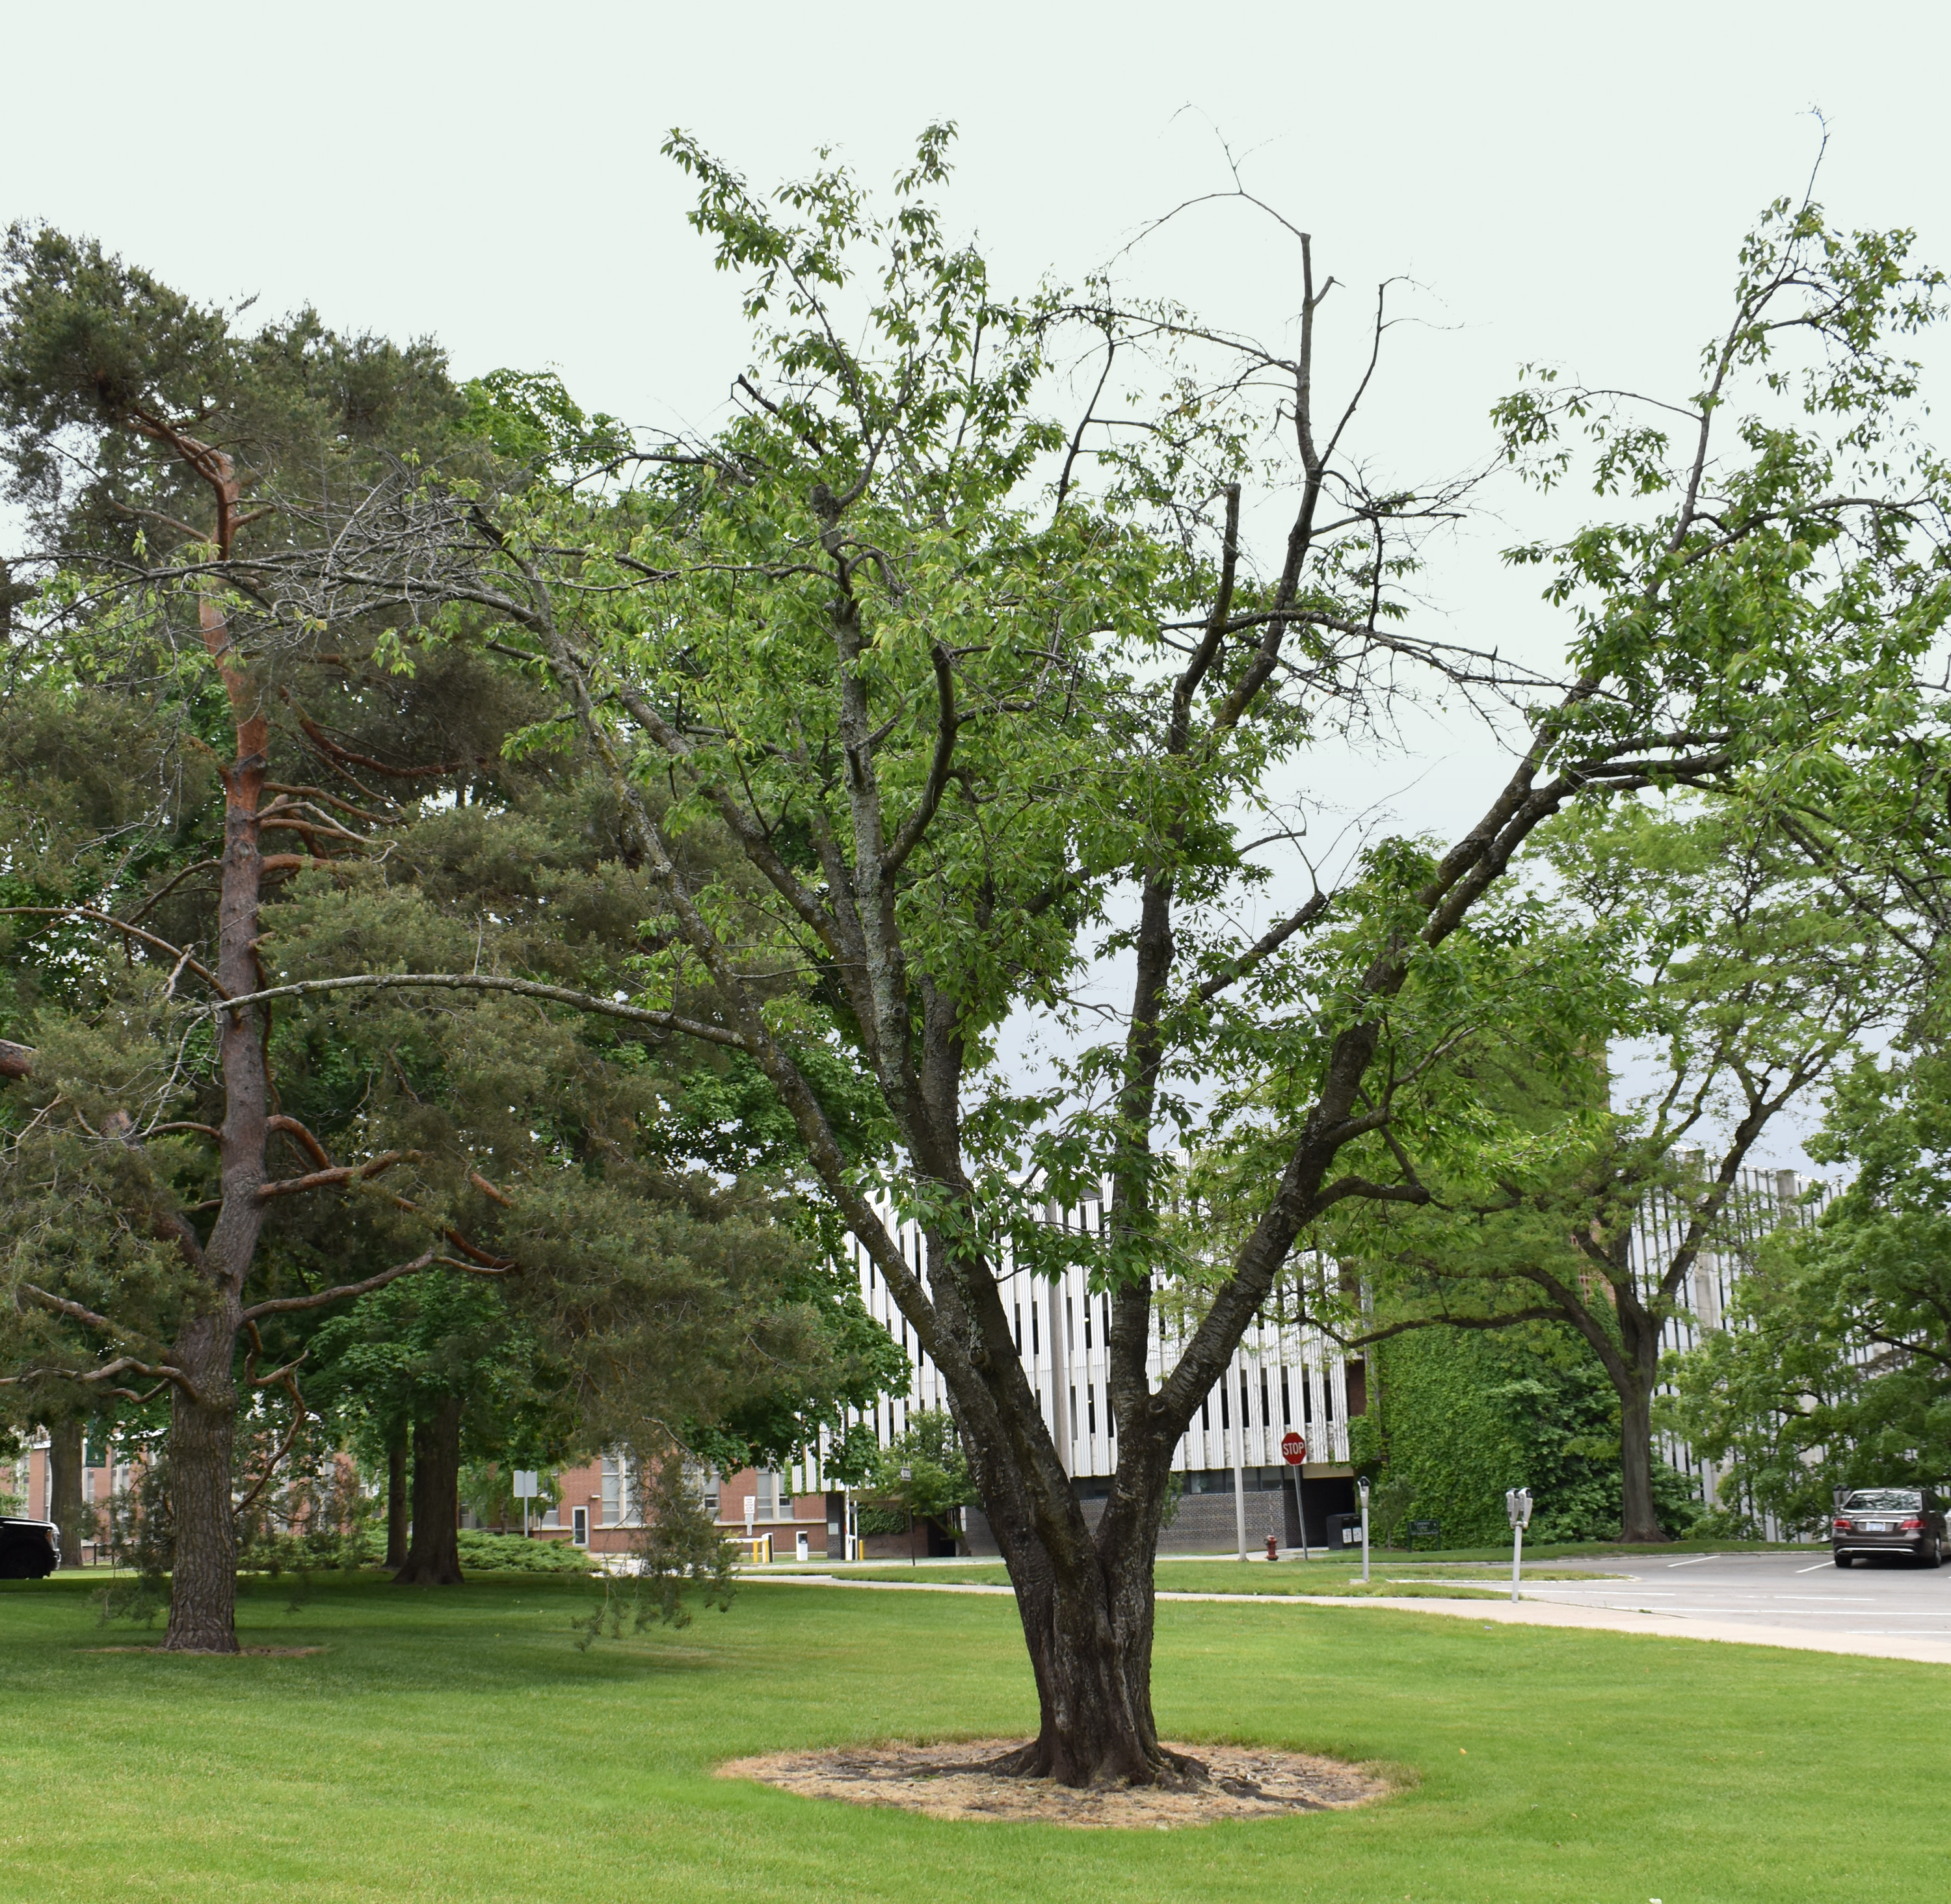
<point>1517,1505</point>
<point>1362,1486</point>
<point>527,1485</point>
<point>1294,1452</point>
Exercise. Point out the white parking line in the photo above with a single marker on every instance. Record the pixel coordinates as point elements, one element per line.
<point>1695,1562</point>
<point>1817,1569</point>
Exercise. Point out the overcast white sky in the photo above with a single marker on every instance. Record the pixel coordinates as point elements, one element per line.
<point>1562,181</point>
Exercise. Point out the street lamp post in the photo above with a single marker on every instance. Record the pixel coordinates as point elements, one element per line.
<point>1363,1487</point>
<point>907,1474</point>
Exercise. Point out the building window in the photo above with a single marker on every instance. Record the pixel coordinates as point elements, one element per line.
<point>1090,1402</point>
<point>579,1535</point>
<point>619,1492</point>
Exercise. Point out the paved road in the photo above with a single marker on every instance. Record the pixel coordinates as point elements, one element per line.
<point>1802,1601</point>
<point>1877,1598</point>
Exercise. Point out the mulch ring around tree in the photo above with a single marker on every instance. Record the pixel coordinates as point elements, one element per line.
<point>953,1781</point>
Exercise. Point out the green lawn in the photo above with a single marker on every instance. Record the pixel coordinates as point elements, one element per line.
<point>453,1744</point>
<point>1339,1577</point>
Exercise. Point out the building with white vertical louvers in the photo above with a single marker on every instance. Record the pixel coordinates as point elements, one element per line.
<point>1762,1201</point>
<point>1284,1378</point>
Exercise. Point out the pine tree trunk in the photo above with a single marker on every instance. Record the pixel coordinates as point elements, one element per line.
<point>203,1578</point>
<point>433,1555</point>
<point>399,1508</point>
<point>64,1453</point>
<point>203,1423</point>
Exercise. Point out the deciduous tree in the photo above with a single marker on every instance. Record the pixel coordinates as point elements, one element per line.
<point>991,696</point>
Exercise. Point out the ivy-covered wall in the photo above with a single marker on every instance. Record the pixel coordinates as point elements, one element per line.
<point>1459,1416</point>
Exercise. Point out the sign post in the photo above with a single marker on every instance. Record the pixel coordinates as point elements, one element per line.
<point>1363,1485</point>
<point>1517,1505</point>
<point>1294,1452</point>
<point>527,1485</point>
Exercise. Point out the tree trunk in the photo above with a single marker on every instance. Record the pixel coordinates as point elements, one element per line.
<point>399,1510</point>
<point>433,1555</point>
<point>1088,1628</point>
<point>1084,1595</point>
<point>1638,1520</point>
<point>64,1452</point>
<point>203,1580</point>
<point>203,1577</point>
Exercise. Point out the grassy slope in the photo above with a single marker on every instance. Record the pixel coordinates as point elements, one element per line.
<point>454,1744</point>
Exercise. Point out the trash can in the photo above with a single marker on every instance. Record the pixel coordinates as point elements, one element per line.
<point>1344,1531</point>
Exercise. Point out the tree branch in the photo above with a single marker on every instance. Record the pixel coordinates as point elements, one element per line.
<point>341,1173</point>
<point>917,824</point>
<point>481,981</point>
<point>176,952</point>
<point>427,1260</point>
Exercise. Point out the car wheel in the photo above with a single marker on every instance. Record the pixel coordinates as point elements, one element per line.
<point>1843,1559</point>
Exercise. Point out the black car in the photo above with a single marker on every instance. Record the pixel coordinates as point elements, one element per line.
<point>29,1549</point>
<point>1890,1520</point>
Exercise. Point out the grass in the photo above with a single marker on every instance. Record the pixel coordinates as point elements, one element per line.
<point>453,1744</point>
<point>1255,1579</point>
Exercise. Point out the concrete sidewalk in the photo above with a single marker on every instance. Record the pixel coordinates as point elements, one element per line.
<point>1667,1626</point>
<point>1494,1613</point>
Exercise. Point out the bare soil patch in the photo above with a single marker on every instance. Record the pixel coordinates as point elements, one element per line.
<point>262,1653</point>
<point>952,1781</point>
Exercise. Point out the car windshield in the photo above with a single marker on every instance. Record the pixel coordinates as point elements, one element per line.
<point>1884,1500</point>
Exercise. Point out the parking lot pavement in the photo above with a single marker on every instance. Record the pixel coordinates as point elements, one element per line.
<point>1806,1590</point>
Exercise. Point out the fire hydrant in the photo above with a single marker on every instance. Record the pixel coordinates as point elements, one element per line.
<point>1273,1547</point>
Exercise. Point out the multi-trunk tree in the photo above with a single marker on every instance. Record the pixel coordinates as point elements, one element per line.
<point>995,700</point>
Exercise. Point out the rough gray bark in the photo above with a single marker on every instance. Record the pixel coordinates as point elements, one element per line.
<point>399,1508</point>
<point>203,1578</point>
<point>433,1553</point>
<point>64,1504</point>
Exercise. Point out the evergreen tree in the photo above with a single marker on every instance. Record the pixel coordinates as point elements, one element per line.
<point>204,794</point>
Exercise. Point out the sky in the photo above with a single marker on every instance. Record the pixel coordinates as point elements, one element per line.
<point>1551,182</point>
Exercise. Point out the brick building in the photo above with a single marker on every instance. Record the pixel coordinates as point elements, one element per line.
<point>105,1472</point>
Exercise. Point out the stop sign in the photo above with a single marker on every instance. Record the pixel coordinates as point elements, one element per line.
<point>1294,1449</point>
